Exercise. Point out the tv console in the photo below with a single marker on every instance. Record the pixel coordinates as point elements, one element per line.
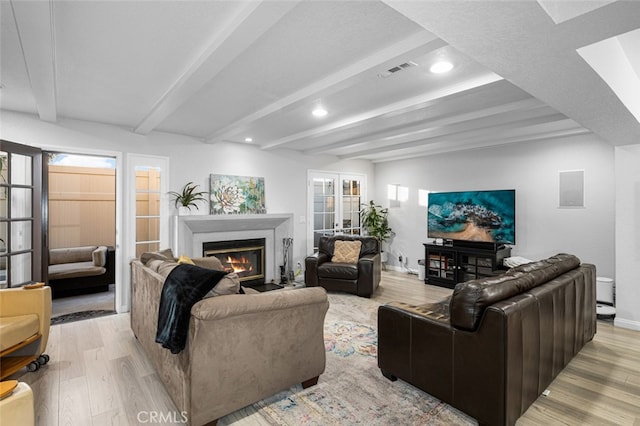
<point>449,264</point>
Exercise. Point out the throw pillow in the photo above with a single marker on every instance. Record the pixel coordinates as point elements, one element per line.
<point>210,262</point>
<point>185,259</point>
<point>346,251</point>
<point>230,284</point>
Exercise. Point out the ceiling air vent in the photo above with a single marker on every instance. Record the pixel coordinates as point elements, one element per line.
<point>397,68</point>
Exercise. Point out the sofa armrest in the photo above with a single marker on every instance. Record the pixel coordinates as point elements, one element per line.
<point>99,256</point>
<point>20,301</point>
<point>417,348</point>
<point>369,272</point>
<point>311,263</point>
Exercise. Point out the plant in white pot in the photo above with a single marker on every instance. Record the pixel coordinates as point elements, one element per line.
<point>187,198</point>
<point>376,224</point>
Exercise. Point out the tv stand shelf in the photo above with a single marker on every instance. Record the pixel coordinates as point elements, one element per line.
<point>446,266</point>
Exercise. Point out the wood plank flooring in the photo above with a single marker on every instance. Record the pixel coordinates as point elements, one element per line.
<point>98,374</point>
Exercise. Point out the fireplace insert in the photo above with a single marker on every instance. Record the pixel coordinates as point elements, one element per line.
<point>244,257</point>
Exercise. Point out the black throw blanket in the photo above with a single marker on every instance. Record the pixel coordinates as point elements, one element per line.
<point>183,288</point>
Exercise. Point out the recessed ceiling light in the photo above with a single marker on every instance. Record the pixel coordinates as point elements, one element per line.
<point>248,140</point>
<point>319,112</point>
<point>441,67</point>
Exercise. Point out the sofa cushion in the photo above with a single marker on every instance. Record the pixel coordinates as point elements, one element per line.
<point>74,270</point>
<point>229,284</point>
<point>71,255</point>
<point>546,270</point>
<point>471,298</point>
<point>17,329</point>
<point>370,245</point>
<point>346,251</point>
<point>210,262</point>
<point>340,271</point>
<point>166,254</point>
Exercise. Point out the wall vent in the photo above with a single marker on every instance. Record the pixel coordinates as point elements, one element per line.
<point>397,68</point>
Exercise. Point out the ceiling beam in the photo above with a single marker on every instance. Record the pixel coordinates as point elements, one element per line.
<point>527,48</point>
<point>489,128</point>
<point>430,124</point>
<point>36,33</point>
<point>447,146</point>
<point>422,39</point>
<point>405,104</point>
<point>250,22</point>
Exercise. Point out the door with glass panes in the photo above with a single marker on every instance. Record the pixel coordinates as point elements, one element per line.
<point>334,205</point>
<point>21,242</point>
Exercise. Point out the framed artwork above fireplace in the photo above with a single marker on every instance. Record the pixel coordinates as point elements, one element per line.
<point>236,194</point>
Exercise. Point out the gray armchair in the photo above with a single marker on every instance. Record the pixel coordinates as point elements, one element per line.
<point>361,278</point>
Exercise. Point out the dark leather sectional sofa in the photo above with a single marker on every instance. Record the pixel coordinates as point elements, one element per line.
<point>496,344</point>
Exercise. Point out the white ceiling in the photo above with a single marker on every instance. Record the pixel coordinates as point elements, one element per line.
<point>227,70</point>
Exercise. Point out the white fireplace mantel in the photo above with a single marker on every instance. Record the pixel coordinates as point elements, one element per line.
<point>191,232</point>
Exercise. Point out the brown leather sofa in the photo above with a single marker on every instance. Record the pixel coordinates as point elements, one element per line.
<point>361,278</point>
<point>496,344</point>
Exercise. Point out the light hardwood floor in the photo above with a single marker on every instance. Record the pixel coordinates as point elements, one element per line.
<point>104,300</point>
<point>98,374</point>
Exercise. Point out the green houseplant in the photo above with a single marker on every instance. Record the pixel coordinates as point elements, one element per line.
<point>188,197</point>
<point>375,222</point>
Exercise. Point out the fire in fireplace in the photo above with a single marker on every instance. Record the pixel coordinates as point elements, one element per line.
<point>244,257</point>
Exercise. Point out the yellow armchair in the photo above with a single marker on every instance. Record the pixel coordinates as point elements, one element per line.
<point>25,318</point>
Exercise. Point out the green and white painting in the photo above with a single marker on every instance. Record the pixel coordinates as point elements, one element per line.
<point>237,194</point>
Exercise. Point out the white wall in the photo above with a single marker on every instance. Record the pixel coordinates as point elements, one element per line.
<point>542,229</point>
<point>627,160</point>
<point>285,171</point>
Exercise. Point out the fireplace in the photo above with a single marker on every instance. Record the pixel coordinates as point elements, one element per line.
<point>244,257</point>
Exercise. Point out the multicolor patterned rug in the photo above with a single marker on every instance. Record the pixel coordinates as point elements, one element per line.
<point>352,391</point>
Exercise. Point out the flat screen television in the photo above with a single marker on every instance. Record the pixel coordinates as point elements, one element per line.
<point>479,216</point>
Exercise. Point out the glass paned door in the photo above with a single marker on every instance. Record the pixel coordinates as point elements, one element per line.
<point>147,209</point>
<point>334,205</point>
<point>21,242</point>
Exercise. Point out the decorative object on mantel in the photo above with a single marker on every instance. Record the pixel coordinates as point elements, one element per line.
<point>188,198</point>
<point>237,194</point>
<point>376,224</point>
<point>286,274</point>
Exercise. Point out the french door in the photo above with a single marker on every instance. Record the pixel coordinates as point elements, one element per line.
<point>334,202</point>
<point>21,242</point>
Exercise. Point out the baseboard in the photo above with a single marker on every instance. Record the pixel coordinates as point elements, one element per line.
<point>625,323</point>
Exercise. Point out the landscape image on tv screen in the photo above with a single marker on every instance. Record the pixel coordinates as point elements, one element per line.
<point>473,216</point>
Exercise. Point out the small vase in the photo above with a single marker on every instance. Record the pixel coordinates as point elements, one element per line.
<point>184,211</point>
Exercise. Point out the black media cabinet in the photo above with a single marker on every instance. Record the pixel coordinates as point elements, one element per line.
<point>448,265</point>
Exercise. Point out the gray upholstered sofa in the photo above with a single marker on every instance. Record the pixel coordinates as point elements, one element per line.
<point>240,348</point>
<point>79,270</point>
<point>495,345</point>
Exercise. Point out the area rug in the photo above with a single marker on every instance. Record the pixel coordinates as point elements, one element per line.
<point>78,316</point>
<point>352,391</point>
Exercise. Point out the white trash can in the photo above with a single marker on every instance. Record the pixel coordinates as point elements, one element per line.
<point>421,270</point>
<point>605,298</point>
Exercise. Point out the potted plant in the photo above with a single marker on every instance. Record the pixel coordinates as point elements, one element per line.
<point>376,223</point>
<point>188,198</point>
